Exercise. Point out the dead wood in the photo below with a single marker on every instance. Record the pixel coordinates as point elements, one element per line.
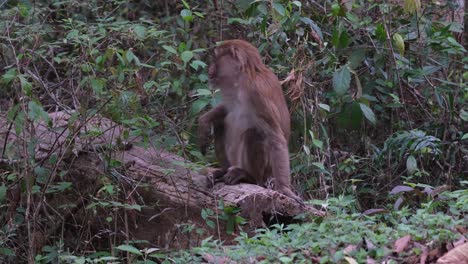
<point>171,190</point>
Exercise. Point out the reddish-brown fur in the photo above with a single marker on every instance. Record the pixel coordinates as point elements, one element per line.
<point>252,124</point>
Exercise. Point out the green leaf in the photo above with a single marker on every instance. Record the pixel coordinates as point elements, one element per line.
<point>317,143</point>
<point>140,31</point>
<point>98,84</point>
<point>42,174</point>
<point>262,9</point>
<point>411,165</point>
<point>7,252</point>
<point>186,56</point>
<point>335,8</point>
<point>186,15</point>
<point>9,75</point>
<point>380,33</point>
<point>368,113</point>
<point>130,56</point>
<point>197,63</point>
<point>319,165</point>
<point>465,136</point>
<point>186,5</point>
<point>3,190</point>
<point>170,49</point>
<point>297,3</point>
<point>130,249</point>
<point>203,92</point>
<point>357,57</point>
<point>198,105</point>
<point>36,112</point>
<point>464,115</point>
<point>279,8</point>
<point>341,80</point>
<point>25,85</point>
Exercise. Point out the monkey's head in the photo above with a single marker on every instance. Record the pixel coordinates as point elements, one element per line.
<point>233,60</point>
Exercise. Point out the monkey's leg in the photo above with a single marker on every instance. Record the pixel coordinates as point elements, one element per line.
<point>252,160</point>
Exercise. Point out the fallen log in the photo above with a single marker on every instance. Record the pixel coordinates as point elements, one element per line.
<point>170,190</point>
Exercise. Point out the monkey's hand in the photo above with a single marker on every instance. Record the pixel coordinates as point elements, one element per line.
<point>204,131</point>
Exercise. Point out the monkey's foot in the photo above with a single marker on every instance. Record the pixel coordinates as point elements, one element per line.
<point>291,194</point>
<point>216,177</point>
<point>235,175</point>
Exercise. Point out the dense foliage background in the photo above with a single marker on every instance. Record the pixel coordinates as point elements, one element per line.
<point>377,91</point>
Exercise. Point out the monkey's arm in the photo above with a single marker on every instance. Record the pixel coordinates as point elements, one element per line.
<point>205,122</point>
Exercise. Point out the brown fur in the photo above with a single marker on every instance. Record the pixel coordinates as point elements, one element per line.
<point>252,124</point>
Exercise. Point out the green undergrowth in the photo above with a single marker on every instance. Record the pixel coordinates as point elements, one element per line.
<point>343,236</point>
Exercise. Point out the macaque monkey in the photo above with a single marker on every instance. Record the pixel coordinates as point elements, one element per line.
<point>252,124</point>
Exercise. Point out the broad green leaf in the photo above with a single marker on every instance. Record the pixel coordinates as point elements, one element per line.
<point>317,143</point>
<point>319,165</point>
<point>197,63</point>
<point>98,84</point>
<point>131,56</point>
<point>356,58</point>
<point>186,15</point>
<point>262,9</point>
<point>6,252</point>
<point>341,80</point>
<point>170,49</point>
<point>129,248</point>
<point>186,56</point>
<point>368,113</point>
<point>198,105</point>
<point>9,75</point>
<point>279,8</point>
<point>140,31</point>
<point>411,165</point>
<point>42,174</point>
<point>36,112</point>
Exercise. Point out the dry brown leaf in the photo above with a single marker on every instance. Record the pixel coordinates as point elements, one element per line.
<point>350,248</point>
<point>370,260</point>
<point>401,244</point>
<point>215,259</point>
<point>350,260</point>
<point>458,255</point>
